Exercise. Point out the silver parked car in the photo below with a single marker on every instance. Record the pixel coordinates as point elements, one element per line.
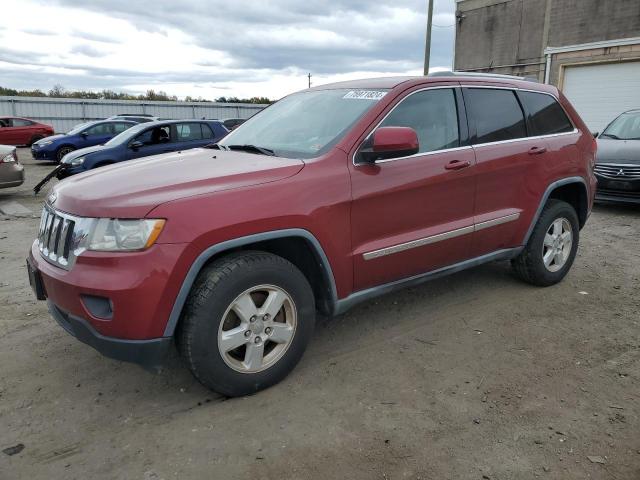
<point>11,171</point>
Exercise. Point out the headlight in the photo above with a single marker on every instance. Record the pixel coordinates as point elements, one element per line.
<point>124,235</point>
<point>43,143</point>
<point>8,158</point>
<point>75,162</point>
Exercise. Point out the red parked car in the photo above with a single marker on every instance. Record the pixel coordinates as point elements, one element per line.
<point>329,197</point>
<point>22,131</point>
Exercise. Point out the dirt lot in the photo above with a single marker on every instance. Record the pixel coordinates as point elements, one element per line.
<point>476,376</point>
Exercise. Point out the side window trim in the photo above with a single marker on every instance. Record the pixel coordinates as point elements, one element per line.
<point>463,127</point>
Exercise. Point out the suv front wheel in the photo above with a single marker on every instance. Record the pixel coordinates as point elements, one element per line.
<point>552,247</point>
<point>246,323</point>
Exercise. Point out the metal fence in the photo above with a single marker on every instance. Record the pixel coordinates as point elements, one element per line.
<point>64,113</point>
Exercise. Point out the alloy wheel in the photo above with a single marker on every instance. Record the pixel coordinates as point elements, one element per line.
<point>257,328</point>
<point>557,244</point>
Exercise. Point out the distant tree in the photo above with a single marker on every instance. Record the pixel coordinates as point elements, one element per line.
<point>58,91</point>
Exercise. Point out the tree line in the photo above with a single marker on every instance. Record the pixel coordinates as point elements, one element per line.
<point>58,91</point>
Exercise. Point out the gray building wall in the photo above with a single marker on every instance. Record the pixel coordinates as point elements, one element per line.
<point>510,36</point>
<point>64,113</point>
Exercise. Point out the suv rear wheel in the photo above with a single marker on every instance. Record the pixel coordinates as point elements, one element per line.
<point>552,247</point>
<point>246,323</point>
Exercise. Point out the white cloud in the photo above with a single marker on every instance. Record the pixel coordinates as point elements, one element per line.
<point>213,48</point>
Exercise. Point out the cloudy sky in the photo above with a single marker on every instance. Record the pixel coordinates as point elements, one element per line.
<point>214,48</point>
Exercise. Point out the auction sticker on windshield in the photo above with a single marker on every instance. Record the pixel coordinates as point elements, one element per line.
<point>365,94</point>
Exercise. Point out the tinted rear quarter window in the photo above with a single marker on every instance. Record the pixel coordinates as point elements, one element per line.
<point>496,113</point>
<point>544,113</point>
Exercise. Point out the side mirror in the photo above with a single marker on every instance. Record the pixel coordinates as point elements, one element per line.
<point>136,145</point>
<point>389,142</point>
<point>84,134</point>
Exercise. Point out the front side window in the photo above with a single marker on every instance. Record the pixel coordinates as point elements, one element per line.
<point>625,127</point>
<point>432,114</point>
<point>154,136</point>
<point>306,124</point>
<point>545,114</point>
<point>497,114</point>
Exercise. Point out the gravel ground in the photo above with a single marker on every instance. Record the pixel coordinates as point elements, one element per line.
<point>476,376</point>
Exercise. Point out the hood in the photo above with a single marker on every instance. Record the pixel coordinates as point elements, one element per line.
<point>618,151</point>
<point>50,138</point>
<point>82,152</point>
<point>132,189</point>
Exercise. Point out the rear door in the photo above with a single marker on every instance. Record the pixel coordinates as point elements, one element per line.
<point>508,164</point>
<point>22,131</point>
<point>414,214</point>
<point>192,135</point>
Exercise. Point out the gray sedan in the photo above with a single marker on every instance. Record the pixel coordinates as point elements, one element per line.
<point>618,160</point>
<point>11,171</point>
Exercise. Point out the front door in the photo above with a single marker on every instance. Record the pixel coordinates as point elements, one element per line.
<point>153,141</point>
<point>414,214</point>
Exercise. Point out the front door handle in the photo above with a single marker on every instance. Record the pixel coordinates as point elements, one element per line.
<point>456,165</point>
<point>537,150</point>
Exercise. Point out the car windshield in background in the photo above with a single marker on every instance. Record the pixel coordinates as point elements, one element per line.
<point>305,124</point>
<point>625,127</point>
<point>79,128</point>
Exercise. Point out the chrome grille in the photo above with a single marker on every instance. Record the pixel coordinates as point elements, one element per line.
<point>56,237</point>
<point>618,171</point>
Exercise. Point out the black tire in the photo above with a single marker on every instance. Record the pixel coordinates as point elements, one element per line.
<point>34,139</point>
<point>216,288</point>
<point>62,151</point>
<point>529,266</point>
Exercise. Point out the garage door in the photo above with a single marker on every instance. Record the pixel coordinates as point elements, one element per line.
<point>601,92</point>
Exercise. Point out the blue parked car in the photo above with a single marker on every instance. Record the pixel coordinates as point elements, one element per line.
<point>142,140</point>
<point>151,138</point>
<point>55,147</point>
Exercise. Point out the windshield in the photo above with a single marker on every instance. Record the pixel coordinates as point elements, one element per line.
<point>305,124</point>
<point>123,137</point>
<point>79,128</point>
<point>625,127</point>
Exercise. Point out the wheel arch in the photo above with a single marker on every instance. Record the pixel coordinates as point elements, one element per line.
<point>297,245</point>
<point>572,190</point>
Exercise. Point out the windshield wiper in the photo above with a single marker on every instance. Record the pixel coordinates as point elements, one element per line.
<point>252,148</point>
<point>216,146</point>
<point>610,135</point>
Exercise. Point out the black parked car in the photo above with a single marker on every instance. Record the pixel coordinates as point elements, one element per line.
<point>618,160</point>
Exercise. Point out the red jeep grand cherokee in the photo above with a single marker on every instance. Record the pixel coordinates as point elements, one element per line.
<point>331,196</point>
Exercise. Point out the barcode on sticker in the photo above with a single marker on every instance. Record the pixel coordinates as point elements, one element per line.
<point>365,94</point>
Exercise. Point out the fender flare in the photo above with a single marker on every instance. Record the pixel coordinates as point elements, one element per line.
<point>545,197</point>
<point>200,261</point>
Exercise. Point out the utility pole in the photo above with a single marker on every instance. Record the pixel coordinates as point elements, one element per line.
<point>309,75</point>
<point>427,43</point>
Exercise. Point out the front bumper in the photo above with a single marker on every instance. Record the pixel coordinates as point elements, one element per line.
<point>618,190</point>
<point>150,354</point>
<point>11,174</point>
<point>44,153</point>
<point>120,295</point>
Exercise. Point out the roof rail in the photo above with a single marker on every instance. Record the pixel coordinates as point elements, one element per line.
<point>481,74</point>
<point>133,115</point>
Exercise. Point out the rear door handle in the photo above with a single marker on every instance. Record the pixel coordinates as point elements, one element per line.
<point>537,150</point>
<point>456,165</point>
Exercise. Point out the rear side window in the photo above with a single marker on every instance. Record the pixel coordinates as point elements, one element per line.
<point>497,114</point>
<point>544,113</point>
<point>432,114</point>
<point>19,122</point>
<point>190,131</point>
<point>100,129</point>
<point>206,131</point>
<point>120,127</point>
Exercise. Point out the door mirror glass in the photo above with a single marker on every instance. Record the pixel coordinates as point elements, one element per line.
<point>389,142</point>
<point>136,144</point>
